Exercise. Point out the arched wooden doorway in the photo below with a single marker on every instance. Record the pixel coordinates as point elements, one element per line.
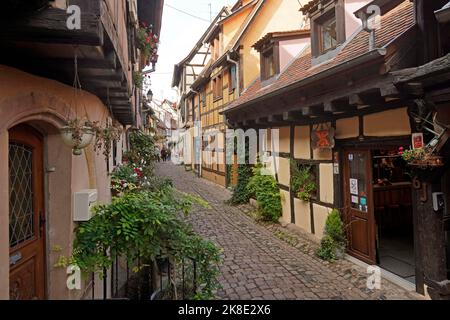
<point>26,214</point>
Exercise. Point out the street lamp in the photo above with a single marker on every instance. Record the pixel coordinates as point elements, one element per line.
<point>150,95</point>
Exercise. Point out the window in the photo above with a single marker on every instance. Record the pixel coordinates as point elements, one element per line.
<point>232,78</point>
<point>328,28</point>
<point>328,34</point>
<point>218,87</point>
<point>268,64</point>
<point>203,98</point>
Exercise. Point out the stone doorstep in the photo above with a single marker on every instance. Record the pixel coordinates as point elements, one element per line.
<point>389,276</point>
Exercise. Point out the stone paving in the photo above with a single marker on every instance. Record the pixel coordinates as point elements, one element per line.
<point>270,262</point>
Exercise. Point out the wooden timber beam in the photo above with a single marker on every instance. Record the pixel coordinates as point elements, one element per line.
<point>312,111</point>
<point>276,118</point>
<point>50,26</point>
<point>292,115</point>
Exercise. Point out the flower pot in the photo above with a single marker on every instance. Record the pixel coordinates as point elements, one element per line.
<point>71,139</point>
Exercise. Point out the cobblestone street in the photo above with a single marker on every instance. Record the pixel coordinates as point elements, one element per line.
<point>268,261</point>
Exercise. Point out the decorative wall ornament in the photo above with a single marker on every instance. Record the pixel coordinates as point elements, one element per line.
<point>322,136</point>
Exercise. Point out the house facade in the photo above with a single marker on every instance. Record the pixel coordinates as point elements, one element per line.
<point>231,69</point>
<point>346,110</point>
<point>52,71</point>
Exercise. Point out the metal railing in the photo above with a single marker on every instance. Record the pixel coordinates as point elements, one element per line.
<point>158,280</point>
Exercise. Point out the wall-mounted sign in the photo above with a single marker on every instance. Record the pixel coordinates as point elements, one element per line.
<point>417,141</point>
<point>322,137</point>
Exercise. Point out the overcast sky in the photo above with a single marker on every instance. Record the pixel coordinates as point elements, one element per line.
<point>179,33</point>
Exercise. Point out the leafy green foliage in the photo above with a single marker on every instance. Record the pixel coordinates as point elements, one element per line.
<point>145,225</point>
<point>240,192</point>
<point>302,181</point>
<point>267,194</point>
<point>334,241</point>
<point>144,222</point>
<point>138,79</point>
<point>327,249</point>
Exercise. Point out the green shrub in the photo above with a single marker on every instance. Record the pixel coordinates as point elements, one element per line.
<point>334,227</point>
<point>327,249</point>
<point>334,241</point>
<point>264,188</point>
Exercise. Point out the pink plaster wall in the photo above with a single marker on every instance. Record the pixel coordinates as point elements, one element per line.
<point>352,23</point>
<point>45,104</point>
<point>289,49</point>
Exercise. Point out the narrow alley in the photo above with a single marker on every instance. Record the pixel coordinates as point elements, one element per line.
<point>259,265</point>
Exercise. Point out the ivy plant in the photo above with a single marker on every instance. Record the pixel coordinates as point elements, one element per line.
<point>264,188</point>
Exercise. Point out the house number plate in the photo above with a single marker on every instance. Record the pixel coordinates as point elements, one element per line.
<point>15,258</point>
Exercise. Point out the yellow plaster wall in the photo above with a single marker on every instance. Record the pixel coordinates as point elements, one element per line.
<point>275,15</point>
<point>284,136</point>
<point>286,204</point>
<point>326,183</point>
<point>347,128</point>
<point>302,143</point>
<point>320,217</point>
<point>231,26</point>
<point>387,123</point>
<point>284,174</point>
<point>302,214</point>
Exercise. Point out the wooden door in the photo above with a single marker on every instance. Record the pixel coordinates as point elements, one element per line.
<point>358,200</point>
<point>26,215</point>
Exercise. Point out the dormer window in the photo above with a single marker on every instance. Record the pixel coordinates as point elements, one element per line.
<point>327,26</point>
<point>327,33</point>
<point>268,64</point>
<point>277,50</point>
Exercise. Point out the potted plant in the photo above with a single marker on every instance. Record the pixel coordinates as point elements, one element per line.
<point>147,42</point>
<point>77,134</point>
<point>105,136</point>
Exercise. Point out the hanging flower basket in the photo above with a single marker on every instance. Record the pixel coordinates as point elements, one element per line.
<point>421,158</point>
<point>77,135</point>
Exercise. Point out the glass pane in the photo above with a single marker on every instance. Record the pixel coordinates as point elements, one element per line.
<point>329,34</point>
<point>358,181</point>
<point>21,211</point>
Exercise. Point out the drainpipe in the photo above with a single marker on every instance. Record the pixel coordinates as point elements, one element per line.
<point>371,31</point>
<point>200,135</point>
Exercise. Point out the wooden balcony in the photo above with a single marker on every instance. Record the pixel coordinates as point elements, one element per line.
<point>41,43</point>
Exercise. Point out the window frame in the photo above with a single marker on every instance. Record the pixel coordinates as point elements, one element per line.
<point>330,15</point>
<point>272,47</point>
<point>336,8</point>
<point>218,87</point>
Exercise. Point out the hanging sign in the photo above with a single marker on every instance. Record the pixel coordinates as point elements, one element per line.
<point>417,141</point>
<point>322,137</point>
